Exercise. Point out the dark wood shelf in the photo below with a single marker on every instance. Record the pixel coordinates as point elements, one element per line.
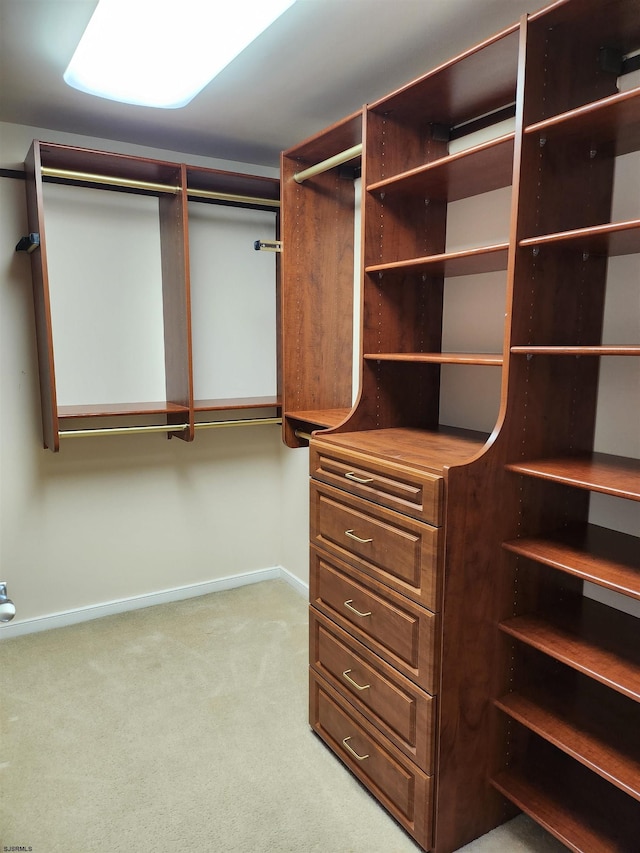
<point>599,472</point>
<point>595,554</point>
<point>467,262</point>
<point>597,727</point>
<point>594,639</point>
<point>480,358</point>
<point>432,450</point>
<point>603,350</point>
<point>476,170</point>
<point>586,817</point>
<point>251,187</point>
<point>475,83</point>
<point>615,238</point>
<point>231,403</point>
<point>109,410</point>
<point>613,121</point>
<point>319,417</point>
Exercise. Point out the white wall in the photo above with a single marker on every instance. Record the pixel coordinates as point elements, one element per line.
<point>111,518</point>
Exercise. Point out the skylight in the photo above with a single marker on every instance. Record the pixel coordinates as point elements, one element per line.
<point>161,53</point>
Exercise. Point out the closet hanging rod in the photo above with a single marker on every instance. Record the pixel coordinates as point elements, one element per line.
<point>239,422</point>
<point>82,433</point>
<point>242,199</point>
<point>50,172</point>
<point>329,163</point>
<point>90,177</point>
<point>300,433</point>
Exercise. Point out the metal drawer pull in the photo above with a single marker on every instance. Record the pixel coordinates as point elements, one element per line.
<point>352,750</point>
<point>345,675</point>
<point>357,612</point>
<point>351,475</point>
<point>352,535</point>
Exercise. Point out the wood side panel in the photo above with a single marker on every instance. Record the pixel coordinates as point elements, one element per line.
<point>316,304</point>
<point>177,303</point>
<point>42,305</point>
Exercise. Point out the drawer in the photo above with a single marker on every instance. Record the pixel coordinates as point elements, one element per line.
<point>406,490</point>
<point>403,553</point>
<point>401,787</point>
<point>403,713</point>
<point>395,628</point>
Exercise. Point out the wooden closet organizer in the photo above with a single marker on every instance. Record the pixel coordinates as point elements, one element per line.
<point>174,185</point>
<point>456,667</point>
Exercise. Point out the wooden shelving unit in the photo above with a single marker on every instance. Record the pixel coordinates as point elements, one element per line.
<point>538,686</point>
<point>317,297</point>
<point>173,184</point>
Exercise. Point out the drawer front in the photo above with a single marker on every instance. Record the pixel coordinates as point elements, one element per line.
<point>402,552</point>
<point>418,494</point>
<point>394,780</point>
<point>403,712</point>
<point>396,629</point>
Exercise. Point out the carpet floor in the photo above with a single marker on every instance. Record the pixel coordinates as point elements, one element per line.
<point>184,727</point>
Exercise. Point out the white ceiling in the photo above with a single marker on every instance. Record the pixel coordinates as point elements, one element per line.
<point>321,61</point>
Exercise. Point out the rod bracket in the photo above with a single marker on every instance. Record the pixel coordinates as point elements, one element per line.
<point>268,245</point>
<point>29,243</point>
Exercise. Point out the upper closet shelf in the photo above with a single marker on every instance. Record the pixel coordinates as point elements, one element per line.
<point>613,121</point>
<point>616,238</point>
<point>599,472</point>
<point>483,358</point>
<point>476,83</point>
<point>467,262</point>
<point>468,173</point>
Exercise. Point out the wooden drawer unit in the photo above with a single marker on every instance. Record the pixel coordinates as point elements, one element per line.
<point>395,628</point>
<point>409,491</point>
<point>394,780</point>
<point>403,553</point>
<point>403,713</point>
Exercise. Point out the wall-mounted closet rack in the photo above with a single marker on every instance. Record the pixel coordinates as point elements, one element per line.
<point>174,185</point>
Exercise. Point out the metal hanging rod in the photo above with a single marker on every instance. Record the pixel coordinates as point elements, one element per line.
<point>329,163</point>
<point>299,433</point>
<point>154,187</point>
<point>239,422</point>
<point>106,179</point>
<point>242,199</point>
<point>84,433</point>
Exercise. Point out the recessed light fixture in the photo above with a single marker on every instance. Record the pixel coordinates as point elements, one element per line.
<point>161,53</point>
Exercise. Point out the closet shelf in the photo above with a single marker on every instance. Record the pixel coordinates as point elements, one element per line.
<point>232,403</point>
<point>109,410</point>
<point>467,262</point>
<point>433,450</point>
<point>598,730</point>
<point>598,472</point>
<point>468,173</point>
<point>481,358</point>
<point>320,417</point>
<point>601,350</point>
<point>475,83</point>
<point>590,637</point>
<point>614,120</point>
<point>595,554</point>
<point>616,238</point>
<point>578,813</point>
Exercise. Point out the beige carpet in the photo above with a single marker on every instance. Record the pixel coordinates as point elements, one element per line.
<point>184,727</point>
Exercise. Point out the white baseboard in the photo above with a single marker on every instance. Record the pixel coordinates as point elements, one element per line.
<point>84,614</point>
